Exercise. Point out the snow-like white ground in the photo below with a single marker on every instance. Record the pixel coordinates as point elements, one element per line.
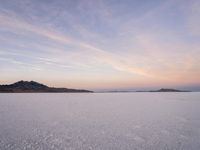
<point>100,121</point>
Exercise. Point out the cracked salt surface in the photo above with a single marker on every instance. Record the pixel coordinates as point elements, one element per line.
<point>100,121</point>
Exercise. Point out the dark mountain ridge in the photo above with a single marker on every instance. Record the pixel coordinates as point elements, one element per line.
<point>35,87</point>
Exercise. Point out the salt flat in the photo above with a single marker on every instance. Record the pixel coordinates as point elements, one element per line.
<point>100,121</point>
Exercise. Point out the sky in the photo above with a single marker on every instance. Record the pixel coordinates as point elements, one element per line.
<point>101,44</point>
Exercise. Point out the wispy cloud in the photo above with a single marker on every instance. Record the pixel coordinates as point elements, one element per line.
<point>99,54</point>
<point>18,26</point>
<point>193,18</point>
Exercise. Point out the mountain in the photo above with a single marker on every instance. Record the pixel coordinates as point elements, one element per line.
<point>35,87</point>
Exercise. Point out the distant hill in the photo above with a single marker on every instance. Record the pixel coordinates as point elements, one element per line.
<point>35,87</point>
<point>131,91</point>
<point>165,90</point>
<point>169,90</point>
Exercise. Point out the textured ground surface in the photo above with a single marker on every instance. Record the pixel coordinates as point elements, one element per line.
<point>100,121</point>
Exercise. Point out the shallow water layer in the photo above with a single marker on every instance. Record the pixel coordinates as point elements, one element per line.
<point>100,121</point>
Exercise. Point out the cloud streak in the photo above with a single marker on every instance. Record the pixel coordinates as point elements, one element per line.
<point>15,25</point>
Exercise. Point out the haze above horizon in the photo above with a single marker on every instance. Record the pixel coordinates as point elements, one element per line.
<point>101,44</point>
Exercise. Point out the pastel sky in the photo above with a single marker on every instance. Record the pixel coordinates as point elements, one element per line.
<point>101,44</point>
